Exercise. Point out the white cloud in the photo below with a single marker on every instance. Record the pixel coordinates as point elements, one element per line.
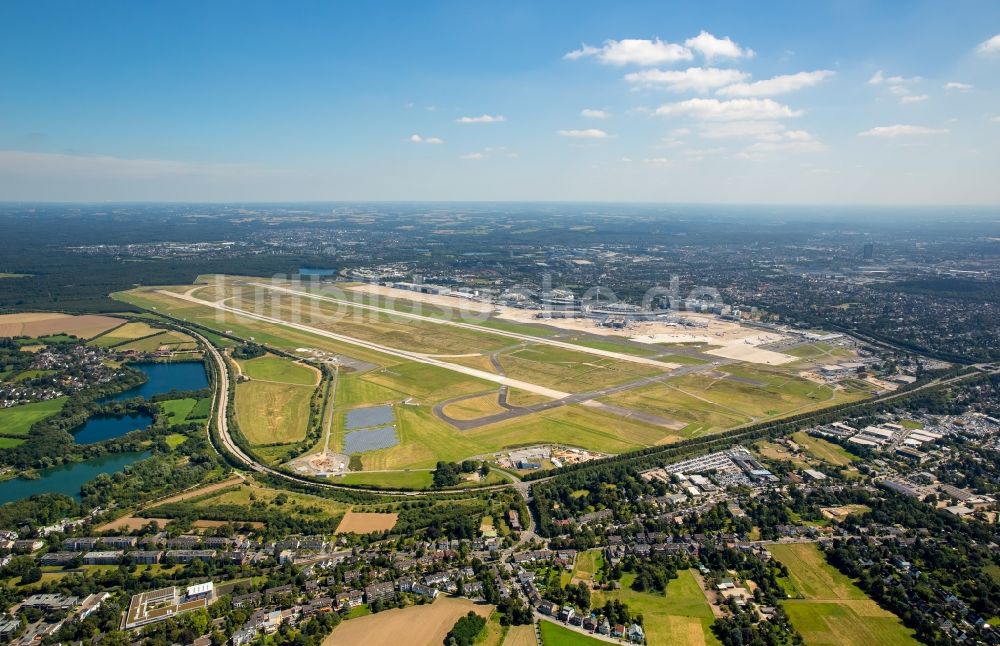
<point>632,51</point>
<point>991,46</point>
<point>417,139</point>
<point>902,131</point>
<point>914,98</point>
<point>474,156</point>
<point>588,133</point>
<point>955,85</point>
<point>657,161</point>
<point>699,79</point>
<point>733,110</point>
<point>996,119</point>
<point>711,47</point>
<point>680,132</point>
<point>879,78</point>
<point>777,85</point>
<point>740,129</point>
<point>484,118</point>
<point>595,114</point>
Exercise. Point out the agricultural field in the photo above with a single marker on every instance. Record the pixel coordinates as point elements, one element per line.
<point>168,339</point>
<point>129,332</point>
<point>44,324</point>
<point>17,420</point>
<point>828,608</point>
<point>424,625</point>
<point>273,407</point>
<point>681,617</point>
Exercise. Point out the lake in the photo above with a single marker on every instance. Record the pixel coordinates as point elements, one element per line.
<point>67,479</point>
<point>164,377</point>
<point>98,428</point>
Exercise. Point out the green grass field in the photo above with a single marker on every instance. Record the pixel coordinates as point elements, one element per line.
<point>587,565</point>
<point>389,479</point>
<point>253,496</point>
<point>9,442</point>
<point>681,617</point>
<point>270,413</point>
<point>175,439</point>
<point>823,450</point>
<point>355,390</point>
<point>568,370</point>
<point>707,402</point>
<point>170,339</point>
<point>829,608</point>
<point>272,368</point>
<point>273,407</point>
<point>179,409</point>
<point>555,635</point>
<point>18,419</point>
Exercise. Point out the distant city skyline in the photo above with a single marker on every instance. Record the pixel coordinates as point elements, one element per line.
<point>811,103</point>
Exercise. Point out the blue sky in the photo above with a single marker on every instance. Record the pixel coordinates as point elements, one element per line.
<point>800,102</point>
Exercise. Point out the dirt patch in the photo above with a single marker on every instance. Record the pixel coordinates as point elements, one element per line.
<point>364,523</point>
<point>424,625</point>
<point>132,523</point>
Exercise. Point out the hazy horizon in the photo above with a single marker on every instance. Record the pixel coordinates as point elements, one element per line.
<point>817,103</point>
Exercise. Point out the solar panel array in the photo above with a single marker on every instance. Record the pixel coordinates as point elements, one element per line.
<point>367,417</point>
<point>372,439</point>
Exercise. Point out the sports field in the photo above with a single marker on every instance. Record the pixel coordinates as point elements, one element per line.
<point>681,617</point>
<point>829,608</point>
<point>17,420</point>
<point>424,625</point>
<point>273,407</point>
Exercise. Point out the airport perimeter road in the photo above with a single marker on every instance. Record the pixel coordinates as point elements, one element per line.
<point>402,354</point>
<point>608,354</point>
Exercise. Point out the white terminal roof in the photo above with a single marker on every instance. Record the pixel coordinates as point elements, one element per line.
<point>200,588</point>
